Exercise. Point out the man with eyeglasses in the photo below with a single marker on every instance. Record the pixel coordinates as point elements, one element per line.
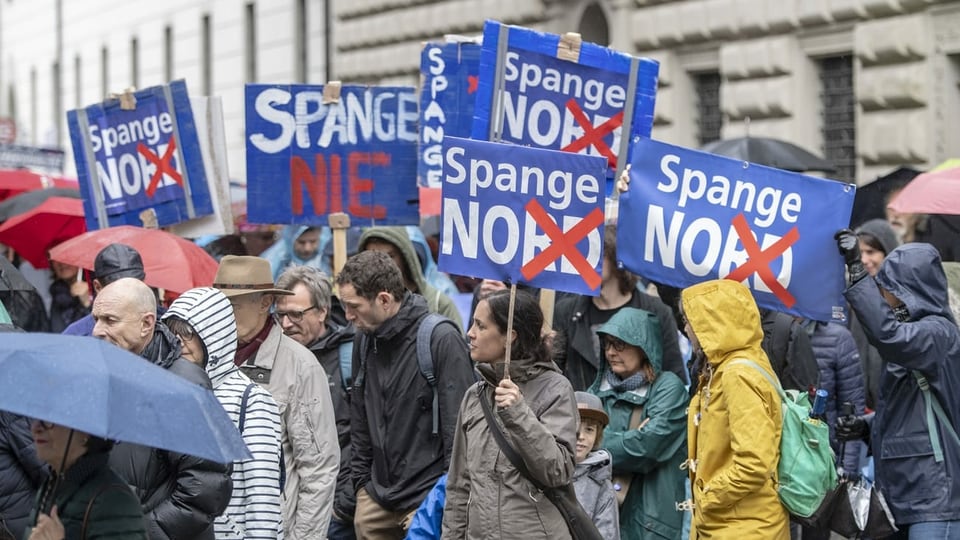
<point>311,454</point>
<point>305,317</point>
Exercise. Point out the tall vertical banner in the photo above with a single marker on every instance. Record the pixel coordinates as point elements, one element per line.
<point>314,150</point>
<point>690,217</point>
<point>558,93</point>
<point>139,161</point>
<point>448,75</point>
<point>522,215</point>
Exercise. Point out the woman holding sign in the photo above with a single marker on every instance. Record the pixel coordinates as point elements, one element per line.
<point>533,409</point>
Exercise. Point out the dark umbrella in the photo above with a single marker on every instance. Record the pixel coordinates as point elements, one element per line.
<point>24,202</point>
<point>11,279</point>
<point>770,152</point>
<point>98,388</point>
<point>871,199</point>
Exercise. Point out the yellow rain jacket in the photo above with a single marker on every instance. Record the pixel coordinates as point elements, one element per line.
<point>734,421</point>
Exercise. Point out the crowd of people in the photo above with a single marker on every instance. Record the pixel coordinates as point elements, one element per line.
<point>371,410</point>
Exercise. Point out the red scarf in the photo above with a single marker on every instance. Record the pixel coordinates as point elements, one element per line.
<point>249,350</point>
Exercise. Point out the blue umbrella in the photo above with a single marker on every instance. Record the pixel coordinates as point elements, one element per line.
<point>95,387</point>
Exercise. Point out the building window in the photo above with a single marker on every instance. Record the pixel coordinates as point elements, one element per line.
<point>78,81</point>
<point>594,26</point>
<point>250,27</point>
<point>167,53</point>
<point>300,26</point>
<point>838,115</point>
<point>104,71</point>
<point>709,115</point>
<point>206,55</point>
<point>135,63</point>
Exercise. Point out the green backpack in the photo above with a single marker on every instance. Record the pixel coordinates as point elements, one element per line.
<point>807,471</point>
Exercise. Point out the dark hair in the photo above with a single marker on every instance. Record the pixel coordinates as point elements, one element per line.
<point>372,272</point>
<point>626,280</point>
<point>96,445</point>
<point>527,323</point>
<point>872,241</point>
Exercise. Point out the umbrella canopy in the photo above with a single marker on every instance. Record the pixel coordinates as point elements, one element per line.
<point>15,181</point>
<point>95,387</point>
<point>32,233</point>
<point>770,152</point>
<point>170,262</point>
<point>29,200</point>
<point>11,279</point>
<point>930,193</point>
<point>871,199</point>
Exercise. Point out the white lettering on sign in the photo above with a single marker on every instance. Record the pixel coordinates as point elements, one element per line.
<point>130,173</point>
<point>591,93</point>
<point>149,130</point>
<point>431,136</point>
<point>382,116</point>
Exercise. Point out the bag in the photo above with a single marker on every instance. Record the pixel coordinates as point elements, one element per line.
<point>806,471</point>
<point>862,512</point>
<point>579,523</point>
<point>621,482</point>
<point>790,352</point>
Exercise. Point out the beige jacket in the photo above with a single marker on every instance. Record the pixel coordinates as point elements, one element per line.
<point>311,452</point>
<point>486,496</point>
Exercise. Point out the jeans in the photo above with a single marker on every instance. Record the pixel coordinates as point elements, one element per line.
<point>340,530</point>
<point>934,530</point>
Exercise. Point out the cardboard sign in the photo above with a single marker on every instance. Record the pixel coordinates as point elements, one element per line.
<point>690,217</point>
<point>448,73</point>
<point>522,215</point>
<point>140,166</point>
<point>313,150</point>
<point>547,91</point>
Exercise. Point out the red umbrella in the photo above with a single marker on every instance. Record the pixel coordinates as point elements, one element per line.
<point>33,232</point>
<point>930,193</point>
<point>14,181</point>
<point>171,263</point>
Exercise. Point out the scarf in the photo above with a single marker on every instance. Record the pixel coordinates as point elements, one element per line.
<point>248,350</point>
<point>632,382</point>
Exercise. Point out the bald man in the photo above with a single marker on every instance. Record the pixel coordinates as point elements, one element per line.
<point>180,494</point>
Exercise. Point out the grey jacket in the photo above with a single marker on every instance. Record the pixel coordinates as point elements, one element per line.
<point>592,482</point>
<point>486,496</point>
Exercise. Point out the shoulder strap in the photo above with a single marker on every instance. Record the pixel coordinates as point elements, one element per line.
<point>635,417</point>
<point>86,513</point>
<point>425,359</point>
<point>243,406</point>
<point>756,366</point>
<point>935,410</point>
<point>362,368</point>
<point>346,362</point>
<point>501,439</point>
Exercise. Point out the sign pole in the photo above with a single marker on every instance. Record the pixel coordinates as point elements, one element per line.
<point>506,360</point>
<point>339,223</point>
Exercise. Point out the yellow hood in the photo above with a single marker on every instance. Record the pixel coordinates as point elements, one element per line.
<point>725,319</point>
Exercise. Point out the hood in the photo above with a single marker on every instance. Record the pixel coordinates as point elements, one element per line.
<point>725,319</point>
<point>399,237</point>
<point>289,236</point>
<point>164,347</point>
<point>913,273</point>
<point>521,370</point>
<point>882,231</point>
<point>639,328</point>
<point>333,337</point>
<point>412,309</point>
<point>598,465</point>
<point>210,314</point>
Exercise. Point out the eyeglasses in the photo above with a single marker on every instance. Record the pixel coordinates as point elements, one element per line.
<point>294,316</point>
<point>186,333</point>
<point>610,341</point>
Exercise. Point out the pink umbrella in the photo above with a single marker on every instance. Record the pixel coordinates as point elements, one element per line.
<point>930,193</point>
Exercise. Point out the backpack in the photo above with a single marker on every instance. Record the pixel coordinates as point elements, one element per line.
<point>424,359</point>
<point>788,347</point>
<point>806,470</point>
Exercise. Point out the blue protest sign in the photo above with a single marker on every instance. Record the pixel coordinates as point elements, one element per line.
<point>313,150</point>
<point>701,217</point>
<point>523,215</point>
<point>448,72</point>
<point>561,94</point>
<point>141,162</point>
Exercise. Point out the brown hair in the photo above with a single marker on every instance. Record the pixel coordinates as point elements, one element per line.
<point>625,280</point>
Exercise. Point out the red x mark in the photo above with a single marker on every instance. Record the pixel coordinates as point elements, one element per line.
<point>472,82</point>
<point>563,244</point>
<point>593,135</point>
<point>163,164</point>
<point>758,260</point>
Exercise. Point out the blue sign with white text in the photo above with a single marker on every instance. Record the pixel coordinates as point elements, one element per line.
<point>580,106</point>
<point>448,72</point>
<point>523,215</point>
<point>353,151</point>
<point>141,159</point>
<point>702,217</point>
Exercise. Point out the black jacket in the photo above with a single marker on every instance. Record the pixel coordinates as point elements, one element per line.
<point>395,455</point>
<point>327,351</point>
<point>180,494</point>
<point>576,342</point>
<point>64,307</point>
<point>21,472</point>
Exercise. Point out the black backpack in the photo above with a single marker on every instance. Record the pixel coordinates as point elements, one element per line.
<point>788,347</point>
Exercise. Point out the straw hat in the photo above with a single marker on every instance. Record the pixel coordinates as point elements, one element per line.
<point>239,275</point>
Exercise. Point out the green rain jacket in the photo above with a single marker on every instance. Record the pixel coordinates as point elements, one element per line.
<point>655,452</point>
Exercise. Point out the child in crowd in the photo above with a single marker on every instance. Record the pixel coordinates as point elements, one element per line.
<point>591,479</point>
